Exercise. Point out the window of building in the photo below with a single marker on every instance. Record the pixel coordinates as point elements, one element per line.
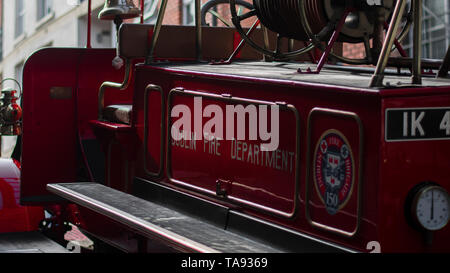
<point>44,8</point>
<point>188,12</point>
<point>74,2</point>
<point>20,16</point>
<point>18,72</point>
<point>1,31</point>
<point>1,43</point>
<point>436,29</point>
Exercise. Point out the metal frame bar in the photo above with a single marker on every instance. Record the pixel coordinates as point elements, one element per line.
<point>89,25</point>
<point>198,30</point>
<point>330,45</point>
<point>228,98</point>
<point>148,89</point>
<point>266,43</point>
<point>443,71</point>
<point>156,30</point>
<point>238,49</point>
<point>121,86</point>
<point>142,11</point>
<point>377,78</point>
<point>417,65</point>
<point>355,117</point>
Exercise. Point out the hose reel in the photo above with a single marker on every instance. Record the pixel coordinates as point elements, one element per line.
<point>315,21</point>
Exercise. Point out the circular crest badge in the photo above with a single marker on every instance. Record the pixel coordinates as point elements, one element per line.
<point>333,170</point>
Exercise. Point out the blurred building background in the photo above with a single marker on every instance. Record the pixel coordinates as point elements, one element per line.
<point>26,26</point>
<point>436,29</point>
<point>29,25</point>
<point>435,33</point>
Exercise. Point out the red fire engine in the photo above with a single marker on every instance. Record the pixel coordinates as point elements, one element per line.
<point>251,137</point>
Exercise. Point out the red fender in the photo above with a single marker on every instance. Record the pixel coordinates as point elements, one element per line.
<point>13,216</point>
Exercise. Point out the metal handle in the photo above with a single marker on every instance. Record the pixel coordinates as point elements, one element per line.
<point>121,86</point>
<point>377,78</point>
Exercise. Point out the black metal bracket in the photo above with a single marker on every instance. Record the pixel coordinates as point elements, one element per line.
<point>443,71</point>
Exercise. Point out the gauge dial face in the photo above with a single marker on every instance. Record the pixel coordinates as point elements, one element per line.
<point>432,208</point>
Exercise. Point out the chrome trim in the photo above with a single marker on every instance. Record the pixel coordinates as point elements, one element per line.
<point>417,62</point>
<point>121,86</point>
<point>345,114</point>
<point>198,30</point>
<point>378,76</point>
<point>156,30</point>
<point>148,89</point>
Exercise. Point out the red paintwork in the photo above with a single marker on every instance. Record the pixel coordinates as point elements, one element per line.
<point>245,183</point>
<point>53,129</point>
<point>304,97</point>
<point>405,164</point>
<point>13,216</point>
<point>118,142</point>
<point>17,112</point>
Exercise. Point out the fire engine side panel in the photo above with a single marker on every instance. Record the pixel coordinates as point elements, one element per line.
<point>404,163</point>
<point>240,164</point>
<point>60,97</point>
<point>355,126</point>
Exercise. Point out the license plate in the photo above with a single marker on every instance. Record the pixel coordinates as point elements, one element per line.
<point>409,124</point>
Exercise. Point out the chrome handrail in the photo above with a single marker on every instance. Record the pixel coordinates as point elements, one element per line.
<point>378,76</point>
<point>121,86</point>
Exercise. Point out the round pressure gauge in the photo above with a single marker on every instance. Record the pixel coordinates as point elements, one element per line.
<point>430,207</point>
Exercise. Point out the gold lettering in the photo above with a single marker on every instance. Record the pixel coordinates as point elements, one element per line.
<point>270,160</point>
<point>285,161</point>
<point>250,153</point>
<point>256,153</point>
<point>233,149</point>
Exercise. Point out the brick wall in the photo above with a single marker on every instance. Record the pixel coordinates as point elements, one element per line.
<point>173,13</point>
<point>355,51</point>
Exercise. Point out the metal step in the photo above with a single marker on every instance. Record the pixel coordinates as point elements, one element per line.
<point>174,228</point>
